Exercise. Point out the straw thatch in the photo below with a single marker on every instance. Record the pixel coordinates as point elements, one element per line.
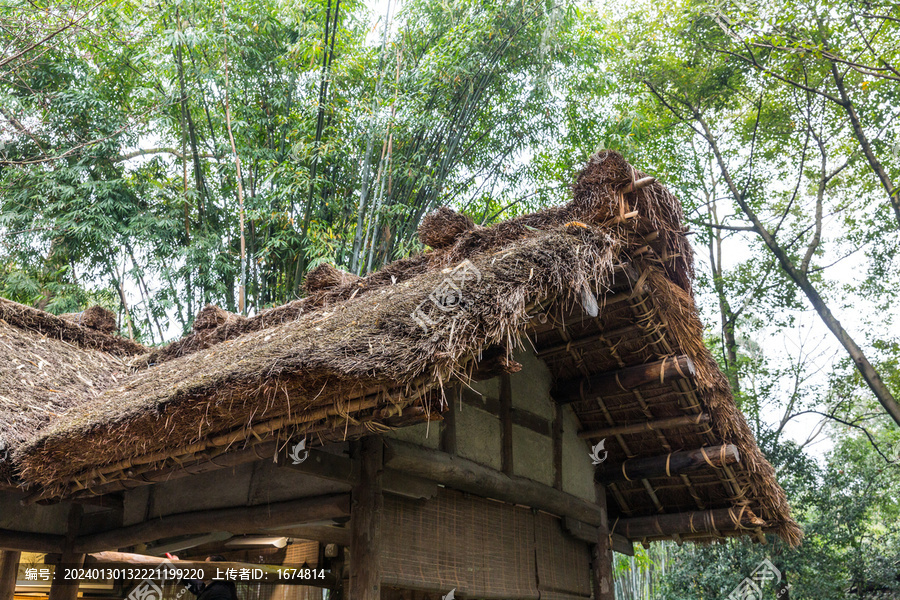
<point>442,227</point>
<point>325,277</point>
<point>94,317</point>
<point>364,350</point>
<point>25,317</point>
<point>42,376</point>
<point>211,317</point>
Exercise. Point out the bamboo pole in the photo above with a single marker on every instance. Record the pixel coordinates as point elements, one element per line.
<point>670,465</point>
<point>639,184</point>
<point>625,379</point>
<point>682,524</point>
<point>645,426</point>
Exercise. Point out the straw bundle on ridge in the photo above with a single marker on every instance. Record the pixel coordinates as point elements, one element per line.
<point>94,317</point>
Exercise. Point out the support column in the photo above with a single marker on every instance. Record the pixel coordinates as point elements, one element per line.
<point>448,425</point>
<point>506,432</point>
<point>366,513</point>
<point>62,589</point>
<point>601,554</point>
<point>9,569</point>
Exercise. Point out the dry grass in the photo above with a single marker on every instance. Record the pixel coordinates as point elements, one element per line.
<point>94,317</point>
<point>325,277</point>
<point>40,378</point>
<point>52,326</point>
<point>443,226</point>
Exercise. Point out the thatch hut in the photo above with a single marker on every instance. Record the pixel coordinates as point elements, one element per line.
<point>495,415</point>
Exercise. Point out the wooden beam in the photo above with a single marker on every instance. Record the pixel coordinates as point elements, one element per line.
<point>520,417</point>
<point>601,555</point>
<point>339,468</point>
<point>366,515</point>
<point>320,533</point>
<point>9,570</point>
<point>588,533</point>
<point>589,340</point>
<point>185,543</point>
<point>236,520</point>
<point>704,521</point>
<point>669,465</point>
<point>469,476</point>
<point>656,425</point>
<point>623,380</point>
<point>321,464</point>
<point>27,541</point>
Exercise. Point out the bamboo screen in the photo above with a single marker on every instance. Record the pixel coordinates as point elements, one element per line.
<point>482,548</point>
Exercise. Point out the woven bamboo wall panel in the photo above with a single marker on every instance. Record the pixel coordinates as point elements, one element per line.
<point>479,547</point>
<point>563,563</point>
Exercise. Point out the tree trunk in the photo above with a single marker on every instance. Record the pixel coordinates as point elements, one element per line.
<point>892,192</point>
<point>868,372</point>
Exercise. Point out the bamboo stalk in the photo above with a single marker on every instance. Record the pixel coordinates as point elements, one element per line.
<point>645,426</point>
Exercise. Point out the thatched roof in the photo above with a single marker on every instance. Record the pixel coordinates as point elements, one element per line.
<point>594,285</point>
<point>48,365</point>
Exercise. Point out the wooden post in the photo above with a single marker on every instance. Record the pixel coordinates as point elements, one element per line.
<point>366,513</point>
<point>506,441</point>
<point>62,589</point>
<point>557,436</point>
<point>448,425</point>
<point>602,558</point>
<point>9,569</point>
<point>337,568</point>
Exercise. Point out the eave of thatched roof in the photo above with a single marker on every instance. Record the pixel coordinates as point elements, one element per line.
<point>47,366</point>
<point>352,349</point>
